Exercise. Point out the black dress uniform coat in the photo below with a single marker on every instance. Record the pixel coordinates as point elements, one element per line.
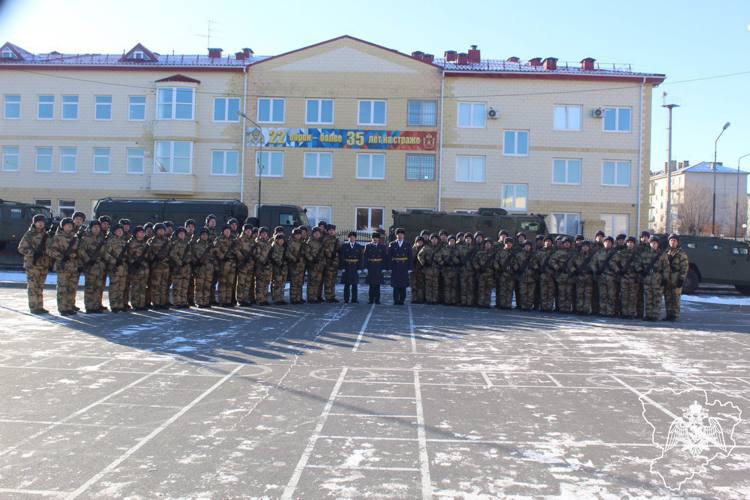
<point>375,262</point>
<point>350,262</point>
<point>399,263</point>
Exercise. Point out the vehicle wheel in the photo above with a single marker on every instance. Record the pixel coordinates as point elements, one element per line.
<point>691,283</point>
<point>743,289</point>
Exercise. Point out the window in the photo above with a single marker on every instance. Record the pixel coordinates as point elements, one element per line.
<point>568,117</point>
<point>45,107</point>
<point>224,162</point>
<point>66,207</point>
<point>225,109</point>
<point>316,214</point>
<point>136,108</point>
<point>716,247</point>
<point>319,112</point>
<point>472,114</point>
<point>7,54</point>
<point>44,159</point>
<point>567,172</point>
<point>12,107</point>
<point>70,107</point>
<point>420,167</point>
<point>318,165</point>
<point>103,107</point>
<point>372,112</point>
<point>271,110</point>
<point>101,160</point>
<point>739,251</point>
<point>68,160</point>
<point>175,104</point>
<point>422,113</point>
<point>173,157</point>
<point>272,164</point>
<point>44,203</point>
<point>566,223</point>
<point>16,213</point>
<point>369,219</point>
<point>691,245</point>
<point>516,143</point>
<point>370,166</point>
<point>470,168</point>
<point>615,223</point>
<point>617,119</point>
<point>515,196</point>
<point>10,158</point>
<point>138,54</point>
<point>136,161</point>
<point>616,173</point>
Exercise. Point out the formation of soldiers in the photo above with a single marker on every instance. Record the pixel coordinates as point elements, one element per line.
<point>238,265</point>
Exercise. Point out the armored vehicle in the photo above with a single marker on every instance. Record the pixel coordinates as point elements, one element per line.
<point>15,219</point>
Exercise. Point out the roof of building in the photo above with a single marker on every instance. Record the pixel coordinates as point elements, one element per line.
<point>703,167</point>
<point>562,68</point>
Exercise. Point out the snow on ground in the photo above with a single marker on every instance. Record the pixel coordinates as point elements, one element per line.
<point>736,300</point>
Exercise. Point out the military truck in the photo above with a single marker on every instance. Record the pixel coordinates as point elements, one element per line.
<point>15,219</point>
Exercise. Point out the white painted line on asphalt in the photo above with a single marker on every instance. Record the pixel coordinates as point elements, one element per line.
<point>487,379</point>
<point>424,460</point>
<point>294,480</point>
<point>343,467</point>
<point>558,384</point>
<point>411,331</point>
<point>153,434</point>
<point>368,415</point>
<point>362,330</point>
<point>376,397</point>
<point>46,493</point>
<point>646,398</point>
<point>73,424</point>
<point>743,380</point>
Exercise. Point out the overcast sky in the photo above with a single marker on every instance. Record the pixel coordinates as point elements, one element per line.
<point>686,40</point>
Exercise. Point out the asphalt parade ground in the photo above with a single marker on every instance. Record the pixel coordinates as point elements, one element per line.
<point>367,401</point>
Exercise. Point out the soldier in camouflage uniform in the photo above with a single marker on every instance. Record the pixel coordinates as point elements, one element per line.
<point>483,265</point>
<point>642,247</point>
<point>431,271</point>
<point>279,263</point>
<point>416,279</point>
<point>619,246</point>
<point>538,286</point>
<point>115,254</point>
<point>546,275</point>
<point>448,260</point>
<point>181,255</point>
<point>246,267</point>
<point>203,268</point>
<point>559,264</point>
<point>653,267</point>
<point>525,275</point>
<point>64,249</point>
<point>604,275</point>
<point>138,269</point>
<point>191,236</point>
<point>158,257</point>
<point>91,260</point>
<point>126,236</point>
<point>678,271</point>
<point>225,251</point>
<point>33,247</point>
<point>624,266</point>
<point>213,233</point>
<point>583,275</point>
<point>504,265</point>
<point>331,254</point>
<point>263,267</point>
<point>296,266</point>
<point>467,275</point>
<point>313,253</point>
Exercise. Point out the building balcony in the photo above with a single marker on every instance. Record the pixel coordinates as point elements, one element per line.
<point>176,130</point>
<point>176,184</point>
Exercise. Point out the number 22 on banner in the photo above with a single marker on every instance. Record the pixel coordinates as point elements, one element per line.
<point>277,137</point>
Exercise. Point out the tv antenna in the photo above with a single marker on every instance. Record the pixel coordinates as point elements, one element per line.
<point>210,33</point>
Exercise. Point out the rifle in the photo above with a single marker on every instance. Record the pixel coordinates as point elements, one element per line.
<point>202,259</point>
<point>40,249</point>
<point>229,250</point>
<point>118,262</point>
<point>618,277</point>
<point>468,256</point>
<point>649,269</point>
<point>565,266</point>
<point>248,255</point>
<point>66,254</point>
<point>157,258</point>
<point>584,265</point>
<point>139,262</point>
<point>268,256</point>
<point>94,255</point>
<point>604,267</point>
<point>523,267</point>
<point>187,252</point>
<point>544,265</point>
<point>504,264</point>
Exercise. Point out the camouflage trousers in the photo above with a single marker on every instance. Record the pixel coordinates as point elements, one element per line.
<point>416,280</point>
<point>246,282</point>
<point>329,280</point>
<point>117,283</point>
<point>94,287</point>
<point>203,278</point>
<point>431,284</point>
<point>263,275</point>
<point>191,290</point>
<point>227,274</point>
<point>564,294</point>
<point>547,290</point>
<point>485,284</point>
<point>214,283</point>
<point>595,299</point>
<point>296,281</point>
<point>314,282</point>
<point>159,285</point>
<point>672,300</point>
<point>278,283</point>
<point>628,296</point>
<point>505,286</point>
<point>67,285</point>
<point>468,281</point>
<point>35,279</point>
<point>126,291</point>
<point>607,295</point>
<point>639,304</point>
<point>526,289</point>
<point>584,293</point>
<point>180,283</point>
<point>450,286</point>
<point>652,294</point>
<point>139,288</point>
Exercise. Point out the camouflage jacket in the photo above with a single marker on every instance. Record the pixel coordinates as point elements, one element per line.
<point>181,256</point>
<point>653,274</point>
<point>559,263</point>
<point>621,260</point>
<point>30,243</point>
<point>278,256</point>
<point>57,248</point>
<point>295,251</point>
<point>313,252</point>
<point>581,265</point>
<point>504,262</point>
<point>245,246</point>
<point>203,254</point>
<point>262,254</point>
<point>448,257</point>
<point>87,250</point>
<point>226,249</point>
<point>332,247</point>
<point>428,255</point>
<point>678,264</point>
<point>602,262</point>
<point>541,260</point>
<point>524,265</point>
<point>114,249</point>
<point>483,263</point>
<point>466,255</point>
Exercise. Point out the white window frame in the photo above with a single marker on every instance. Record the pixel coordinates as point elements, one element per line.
<point>515,198</point>
<point>39,105</point>
<point>63,156</point>
<point>567,117</point>
<point>617,164</point>
<point>567,172</point>
<point>8,103</point>
<point>617,110</point>
<point>421,167</point>
<point>267,169</point>
<point>6,155</point>
<point>224,157</point>
<point>320,111</point>
<point>7,54</point>
<point>48,205</point>
<point>565,216</point>
<point>129,155</point>
<point>473,114</point>
<point>316,209</point>
<point>173,103</point>
<point>472,159</point>
<point>515,143</point>
<point>138,54</point>
<point>369,218</point>
<point>97,104</point>
<point>98,155</point>
<point>316,155</point>
<point>132,105</point>
<point>371,157</point>
<point>271,106</point>
<point>372,123</point>
<point>69,104</point>
<point>421,103</point>
<point>172,157</point>
<point>36,159</point>
<point>69,205</point>
<point>227,117</point>
<point>613,230</point>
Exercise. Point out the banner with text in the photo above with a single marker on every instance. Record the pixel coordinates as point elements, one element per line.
<point>341,138</point>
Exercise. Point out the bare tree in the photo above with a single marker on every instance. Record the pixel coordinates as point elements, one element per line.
<point>694,211</point>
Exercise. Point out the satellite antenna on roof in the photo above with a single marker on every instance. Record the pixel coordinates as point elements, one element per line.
<point>209,33</point>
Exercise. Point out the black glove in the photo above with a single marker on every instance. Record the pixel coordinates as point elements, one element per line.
<point>679,283</point>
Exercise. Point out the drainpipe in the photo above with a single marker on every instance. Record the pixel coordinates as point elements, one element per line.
<point>442,130</point>
<point>242,139</point>
<point>640,162</point>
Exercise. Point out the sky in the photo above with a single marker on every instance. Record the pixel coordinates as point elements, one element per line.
<point>695,43</point>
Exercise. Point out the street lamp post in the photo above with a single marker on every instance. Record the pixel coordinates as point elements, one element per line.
<point>737,206</point>
<point>670,107</point>
<point>260,156</point>
<point>713,217</point>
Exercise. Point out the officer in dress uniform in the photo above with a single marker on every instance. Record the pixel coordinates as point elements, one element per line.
<point>399,263</point>
<point>375,260</point>
<point>351,263</point>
